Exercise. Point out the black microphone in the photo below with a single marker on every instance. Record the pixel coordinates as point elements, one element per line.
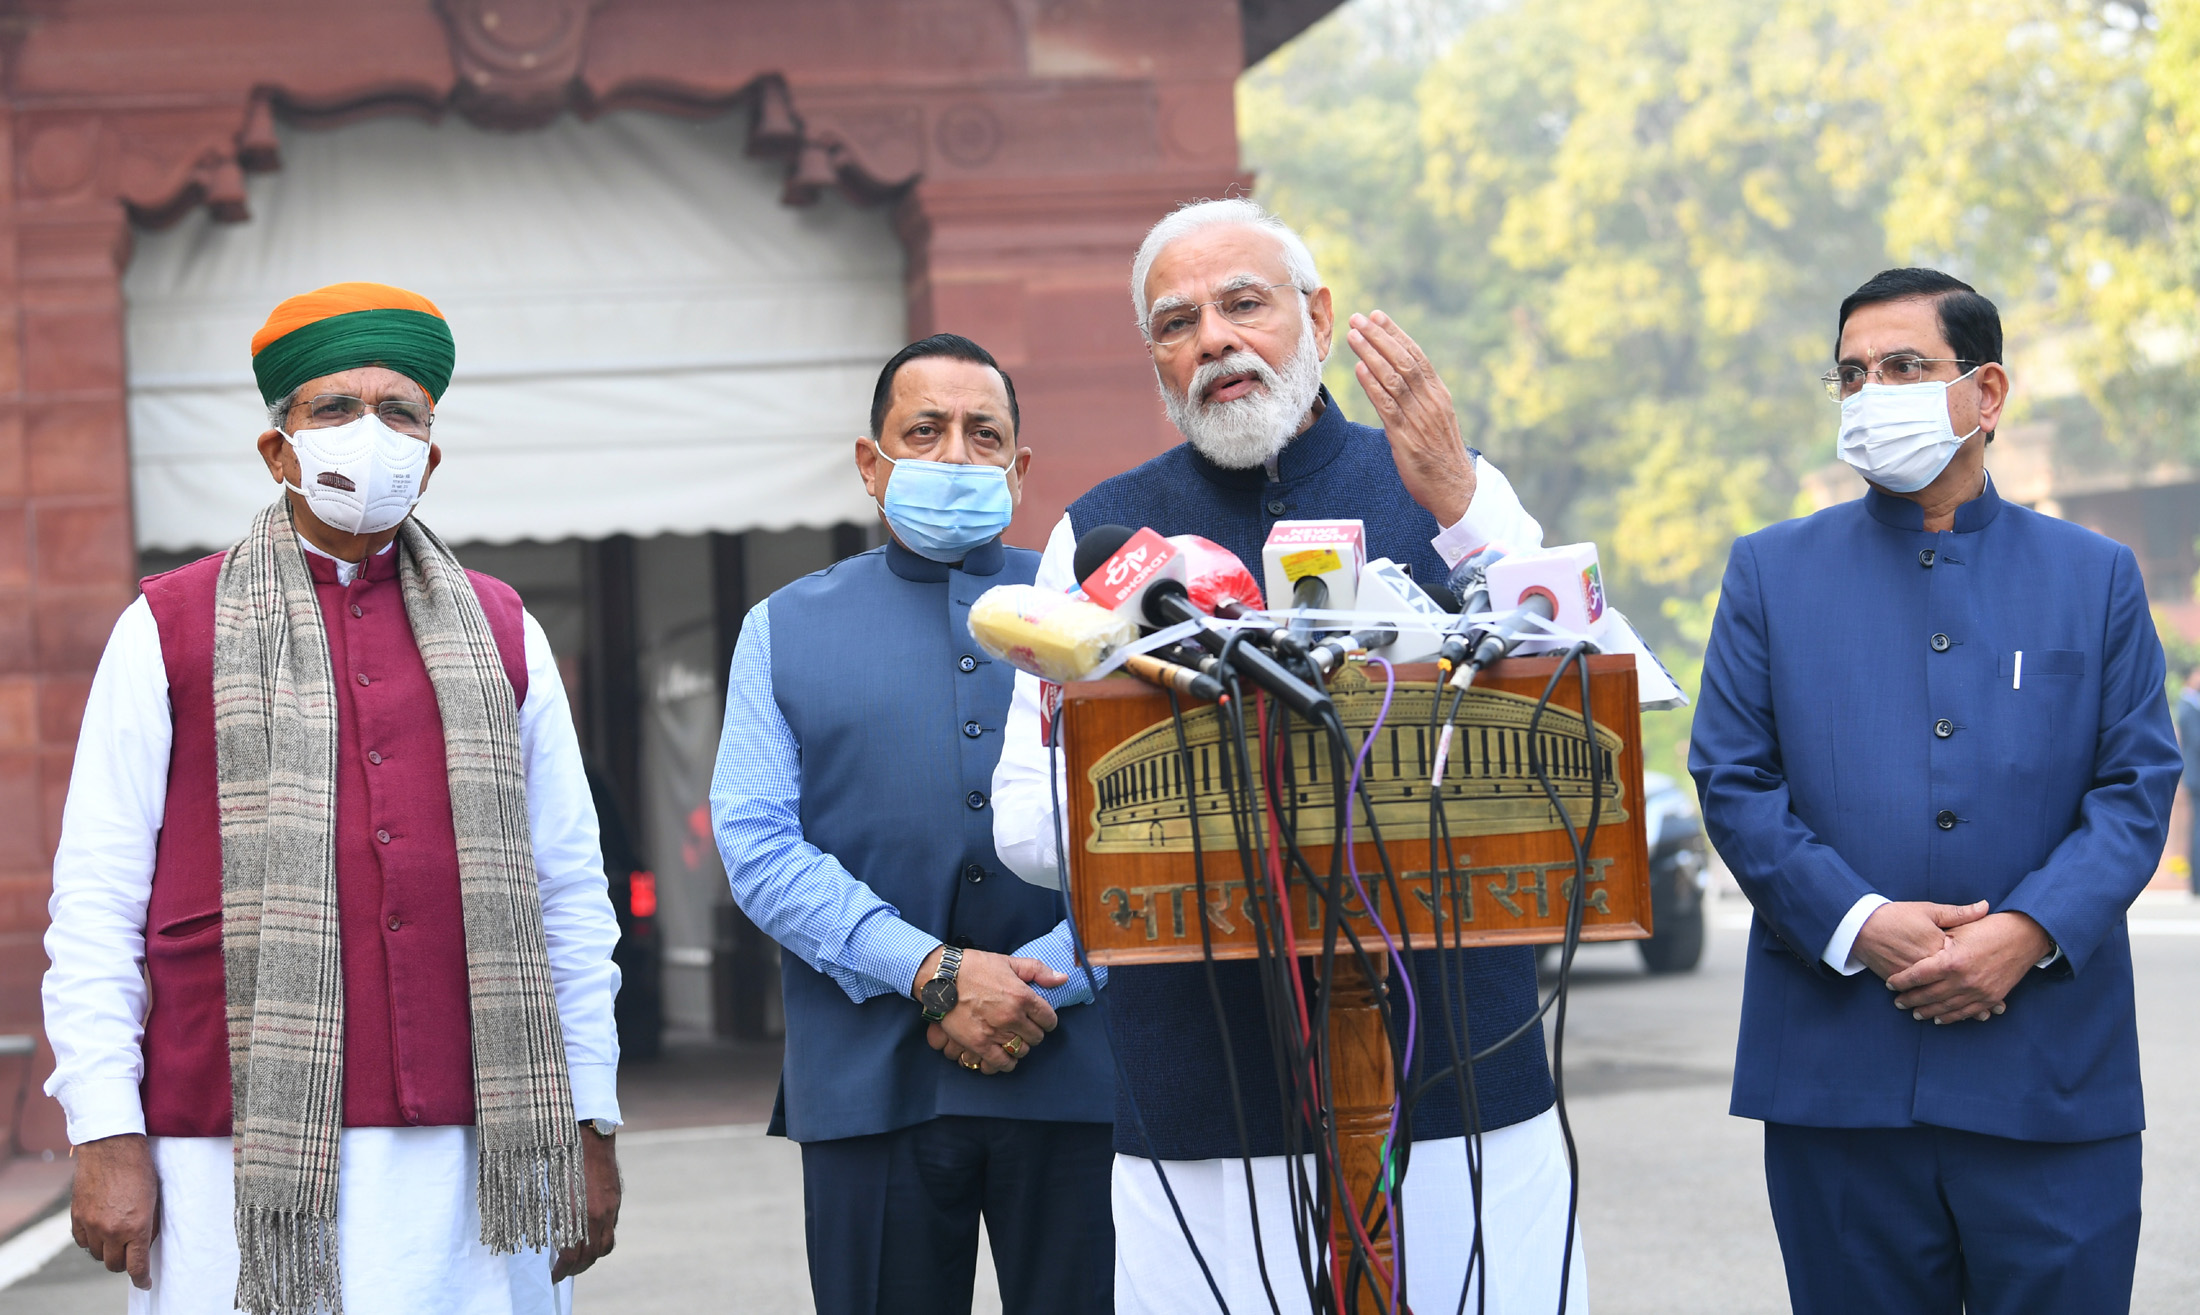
<point>1129,572</point>
<point>1474,597</point>
<point>1330,653</point>
<point>1505,635</point>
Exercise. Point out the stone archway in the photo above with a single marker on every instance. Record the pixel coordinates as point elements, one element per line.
<point>1023,145</point>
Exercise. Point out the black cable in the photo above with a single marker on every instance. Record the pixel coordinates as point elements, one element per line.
<point>1099,1002</point>
<point>1278,1004</point>
<point>1214,991</point>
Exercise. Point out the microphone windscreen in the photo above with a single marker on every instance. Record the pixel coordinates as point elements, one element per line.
<point>1097,545</point>
<point>1213,575</point>
<point>1052,636</point>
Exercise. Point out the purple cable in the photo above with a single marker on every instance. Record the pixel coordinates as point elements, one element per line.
<point>1405,974</point>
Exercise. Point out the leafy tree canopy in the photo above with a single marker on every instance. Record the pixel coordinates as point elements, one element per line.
<point>1622,231</point>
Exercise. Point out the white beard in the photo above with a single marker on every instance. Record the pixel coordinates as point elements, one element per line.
<point>1248,432</point>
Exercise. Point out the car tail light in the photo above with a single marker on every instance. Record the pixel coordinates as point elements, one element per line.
<point>642,894</point>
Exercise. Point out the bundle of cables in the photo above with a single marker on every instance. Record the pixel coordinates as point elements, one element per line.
<point>1260,741</point>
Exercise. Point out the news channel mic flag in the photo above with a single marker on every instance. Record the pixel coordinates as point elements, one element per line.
<point>1933,748</point>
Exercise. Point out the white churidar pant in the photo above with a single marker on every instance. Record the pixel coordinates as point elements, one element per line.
<point>1524,1191</point>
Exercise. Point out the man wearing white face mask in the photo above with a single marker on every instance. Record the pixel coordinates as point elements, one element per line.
<point>852,804</point>
<point>1932,743</point>
<point>331,988</point>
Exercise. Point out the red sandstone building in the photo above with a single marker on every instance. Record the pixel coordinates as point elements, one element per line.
<point>674,237</point>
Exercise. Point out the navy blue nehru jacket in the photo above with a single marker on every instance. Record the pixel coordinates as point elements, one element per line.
<point>1162,1019</point>
<point>1976,714</point>
<point>898,718</point>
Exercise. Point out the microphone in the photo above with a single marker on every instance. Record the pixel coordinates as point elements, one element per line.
<point>1165,674</point>
<point>1141,576</point>
<point>1330,653</point>
<point>1217,581</point>
<point>1316,564</point>
<point>1458,641</point>
<point>1566,575</point>
<point>1051,635</point>
<point>1386,588</point>
<point>1059,638</point>
<point>1561,585</point>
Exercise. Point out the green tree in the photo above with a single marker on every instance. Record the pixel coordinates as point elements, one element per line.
<point>1622,230</point>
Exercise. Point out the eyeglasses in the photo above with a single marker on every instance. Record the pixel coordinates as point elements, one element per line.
<point>1843,380</point>
<point>332,409</point>
<point>1248,307</point>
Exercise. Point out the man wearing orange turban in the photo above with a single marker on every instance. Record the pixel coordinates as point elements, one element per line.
<point>331,984</point>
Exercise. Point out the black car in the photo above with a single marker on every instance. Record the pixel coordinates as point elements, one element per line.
<point>1679,875</point>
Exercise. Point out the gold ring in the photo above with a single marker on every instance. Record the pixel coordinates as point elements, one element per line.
<point>1014,1046</point>
<point>969,1061</point>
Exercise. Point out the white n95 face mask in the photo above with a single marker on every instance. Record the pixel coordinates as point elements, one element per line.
<point>360,478</point>
<point>1899,436</point>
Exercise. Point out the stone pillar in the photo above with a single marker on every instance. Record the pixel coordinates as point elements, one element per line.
<point>1038,271</point>
<point>67,566</point>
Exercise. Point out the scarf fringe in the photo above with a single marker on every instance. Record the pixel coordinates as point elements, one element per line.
<point>533,1198</point>
<point>286,1263</point>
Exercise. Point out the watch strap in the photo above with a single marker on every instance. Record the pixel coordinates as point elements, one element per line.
<point>949,966</point>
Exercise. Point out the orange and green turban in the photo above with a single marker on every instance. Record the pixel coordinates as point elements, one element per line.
<point>347,325</point>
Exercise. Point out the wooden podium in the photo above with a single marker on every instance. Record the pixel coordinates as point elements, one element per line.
<point>1132,887</point>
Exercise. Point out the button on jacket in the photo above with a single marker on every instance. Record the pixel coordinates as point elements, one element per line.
<point>1992,727</point>
<point>851,803</point>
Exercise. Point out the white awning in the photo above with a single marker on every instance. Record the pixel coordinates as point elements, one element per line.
<point>649,341</point>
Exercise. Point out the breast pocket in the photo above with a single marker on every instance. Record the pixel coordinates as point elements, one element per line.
<point>2039,691</point>
<point>2040,664</point>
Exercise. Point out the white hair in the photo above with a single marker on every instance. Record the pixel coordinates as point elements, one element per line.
<point>1192,216</point>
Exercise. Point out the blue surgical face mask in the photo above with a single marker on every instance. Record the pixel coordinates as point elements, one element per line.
<point>942,510</point>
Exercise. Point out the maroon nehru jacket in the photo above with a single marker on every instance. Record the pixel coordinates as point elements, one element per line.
<point>408,1034</point>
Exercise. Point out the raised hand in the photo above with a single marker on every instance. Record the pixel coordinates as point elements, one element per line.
<point>1415,409</point>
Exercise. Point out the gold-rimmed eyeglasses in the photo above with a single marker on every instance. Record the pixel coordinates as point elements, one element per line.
<point>1249,307</point>
<point>1902,368</point>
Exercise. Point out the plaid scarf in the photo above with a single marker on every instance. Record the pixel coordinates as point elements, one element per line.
<point>275,748</point>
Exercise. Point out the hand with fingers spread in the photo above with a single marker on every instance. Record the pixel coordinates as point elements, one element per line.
<point>1971,977</point>
<point>1898,935</point>
<point>1417,418</point>
<point>115,1209</point>
<point>997,1017</point>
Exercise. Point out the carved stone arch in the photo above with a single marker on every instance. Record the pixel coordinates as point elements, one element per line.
<point>514,65</point>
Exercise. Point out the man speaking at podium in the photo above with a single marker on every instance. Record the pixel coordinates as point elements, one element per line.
<point>1238,324</point>
<point>1933,744</point>
<point>850,802</point>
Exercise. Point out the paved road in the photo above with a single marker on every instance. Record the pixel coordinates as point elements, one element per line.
<point>1672,1188</point>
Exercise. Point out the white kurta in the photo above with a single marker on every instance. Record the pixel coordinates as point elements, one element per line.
<point>408,1231</point>
<point>1524,1176</point>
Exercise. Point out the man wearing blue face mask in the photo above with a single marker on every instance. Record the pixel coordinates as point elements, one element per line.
<point>851,802</point>
<point>1932,743</point>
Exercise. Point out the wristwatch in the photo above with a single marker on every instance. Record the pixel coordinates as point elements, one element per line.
<point>605,1128</point>
<point>938,995</point>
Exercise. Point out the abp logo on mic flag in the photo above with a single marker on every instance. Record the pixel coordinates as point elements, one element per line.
<point>1592,590</point>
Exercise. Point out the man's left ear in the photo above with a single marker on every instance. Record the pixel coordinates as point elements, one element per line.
<point>1016,470</point>
<point>1325,320</point>
<point>1993,395</point>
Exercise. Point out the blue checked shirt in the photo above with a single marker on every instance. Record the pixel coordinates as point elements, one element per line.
<point>799,895</point>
